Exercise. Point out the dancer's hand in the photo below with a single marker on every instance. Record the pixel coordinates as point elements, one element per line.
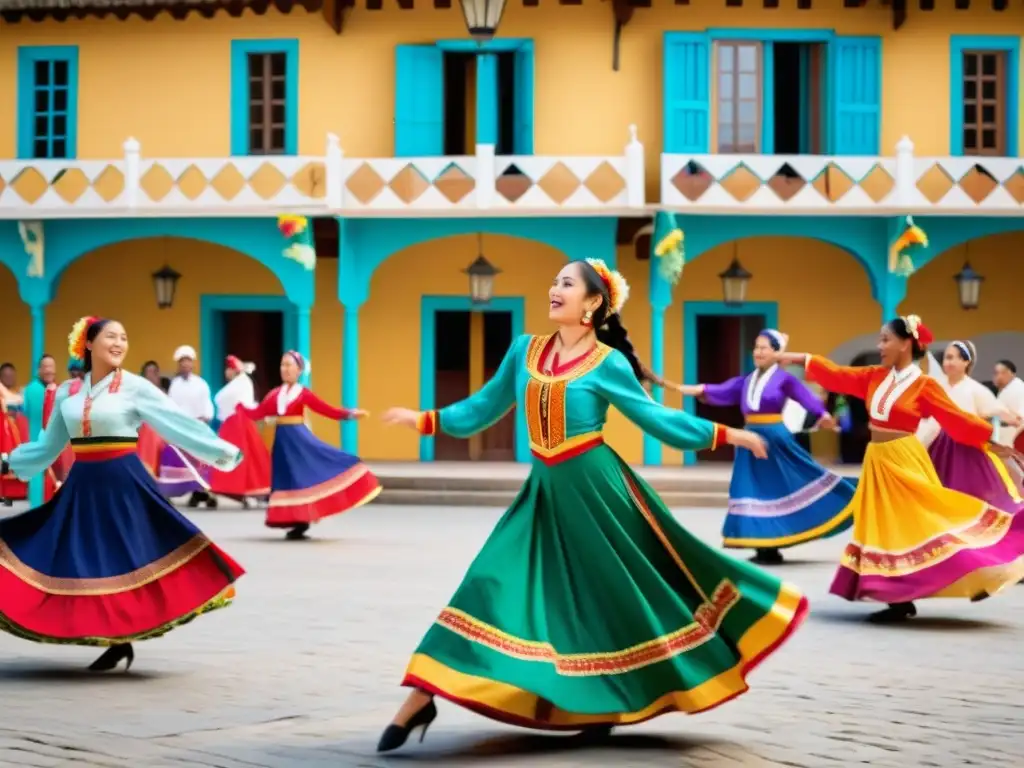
<point>358,413</point>
<point>790,358</point>
<point>827,422</point>
<point>741,438</point>
<point>1002,451</point>
<point>404,417</point>
<point>1013,420</point>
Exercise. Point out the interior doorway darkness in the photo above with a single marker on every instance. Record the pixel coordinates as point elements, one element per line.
<point>258,338</point>
<point>457,333</point>
<point>798,108</point>
<point>724,344</point>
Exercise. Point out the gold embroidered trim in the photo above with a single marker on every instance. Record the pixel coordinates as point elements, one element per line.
<point>705,624</point>
<point>536,349</point>
<point>106,585</point>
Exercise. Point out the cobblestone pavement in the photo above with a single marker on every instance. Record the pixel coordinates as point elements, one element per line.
<point>303,671</point>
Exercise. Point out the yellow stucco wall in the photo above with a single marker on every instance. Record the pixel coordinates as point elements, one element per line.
<point>15,326</point>
<point>178,105</point>
<point>932,292</point>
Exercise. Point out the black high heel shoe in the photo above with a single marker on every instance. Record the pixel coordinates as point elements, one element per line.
<point>113,656</point>
<point>298,532</point>
<point>894,614</point>
<point>395,736</point>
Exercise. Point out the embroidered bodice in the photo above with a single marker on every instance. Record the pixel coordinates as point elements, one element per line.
<point>292,401</point>
<point>566,409</point>
<point>763,392</point>
<point>116,407</point>
<point>899,400</point>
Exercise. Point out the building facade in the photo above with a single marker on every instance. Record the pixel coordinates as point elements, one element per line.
<point>791,137</point>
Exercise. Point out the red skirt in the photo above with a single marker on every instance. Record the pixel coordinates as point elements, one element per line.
<point>149,449</point>
<point>13,430</point>
<point>252,476</point>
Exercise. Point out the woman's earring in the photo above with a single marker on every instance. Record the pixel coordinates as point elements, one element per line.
<point>587,318</point>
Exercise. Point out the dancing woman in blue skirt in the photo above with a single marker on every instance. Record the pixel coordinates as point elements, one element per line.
<point>108,561</point>
<point>790,498</point>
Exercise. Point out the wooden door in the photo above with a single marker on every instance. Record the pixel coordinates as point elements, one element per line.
<point>258,338</point>
<point>498,441</point>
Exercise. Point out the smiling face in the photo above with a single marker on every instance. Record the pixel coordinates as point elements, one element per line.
<point>764,352</point>
<point>953,363</point>
<point>567,298</point>
<point>893,350</point>
<point>110,346</point>
<point>47,370</point>
<point>289,370</point>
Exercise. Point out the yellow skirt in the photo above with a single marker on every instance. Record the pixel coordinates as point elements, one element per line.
<point>913,538</point>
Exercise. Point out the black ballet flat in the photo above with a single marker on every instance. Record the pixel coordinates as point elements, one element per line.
<point>113,656</point>
<point>395,736</point>
<point>894,614</point>
<point>595,733</point>
<point>767,557</point>
<point>298,532</point>
<point>980,596</point>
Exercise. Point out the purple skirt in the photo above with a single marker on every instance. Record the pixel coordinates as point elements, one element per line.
<point>974,472</point>
<point>181,474</point>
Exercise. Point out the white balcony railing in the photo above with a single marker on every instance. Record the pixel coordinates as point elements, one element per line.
<point>330,184</point>
<point>772,184</point>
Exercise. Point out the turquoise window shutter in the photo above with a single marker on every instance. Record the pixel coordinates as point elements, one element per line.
<point>522,143</point>
<point>856,123</point>
<point>687,92</point>
<point>419,101</point>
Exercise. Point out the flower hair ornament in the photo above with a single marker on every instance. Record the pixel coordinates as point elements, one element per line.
<point>922,335</point>
<point>76,339</point>
<point>614,282</point>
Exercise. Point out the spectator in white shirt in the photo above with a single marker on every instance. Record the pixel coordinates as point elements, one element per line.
<point>191,393</point>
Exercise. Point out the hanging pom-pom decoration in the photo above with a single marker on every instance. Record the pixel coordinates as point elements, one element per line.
<point>668,247</point>
<point>300,247</point>
<point>913,239</point>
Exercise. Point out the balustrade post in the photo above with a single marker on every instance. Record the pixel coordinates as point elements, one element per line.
<point>334,173</point>
<point>132,171</point>
<point>906,183</point>
<point>485,175</point>
<point>636,194</point>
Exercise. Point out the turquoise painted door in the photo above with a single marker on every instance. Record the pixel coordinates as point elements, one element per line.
<point>522,143</point>
<point>419,101</point>
<point>687,93</point>
<point>856,95</point>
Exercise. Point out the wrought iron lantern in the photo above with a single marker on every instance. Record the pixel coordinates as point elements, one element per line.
<point>734,283</point>
<point>482,18</point>
<point>481,278</point>
<point>968,283</point>
<point>165,283</point>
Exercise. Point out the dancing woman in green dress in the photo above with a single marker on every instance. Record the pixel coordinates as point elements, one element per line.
<point>589,606</point>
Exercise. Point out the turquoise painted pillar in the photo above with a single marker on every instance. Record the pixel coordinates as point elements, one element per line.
<point>661,300</point>
<point>34,394</point>
<point>486,98</point>
<point>303,340</point>
<point>350,378</point>
<point>38,333</point>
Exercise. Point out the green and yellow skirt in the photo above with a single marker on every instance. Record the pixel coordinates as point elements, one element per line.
<point>590,605</point>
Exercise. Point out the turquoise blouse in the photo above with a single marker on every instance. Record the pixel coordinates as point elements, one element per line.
<point>566,409</point>
<point>120,414</point>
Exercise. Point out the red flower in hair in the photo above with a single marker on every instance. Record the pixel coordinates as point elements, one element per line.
<point>924,336</point>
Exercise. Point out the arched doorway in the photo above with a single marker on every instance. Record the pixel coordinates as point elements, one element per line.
<point>16,325</point>
<point>115,280</point>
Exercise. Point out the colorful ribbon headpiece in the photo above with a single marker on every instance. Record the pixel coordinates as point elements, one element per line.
<point>298,358</point>
<point>922,335</point>
<point>913,239</point>
<point>614,282</point>
<point>668,246</point>
<point>777,339</point>
<point>77,341</point>
<point>300,248</point>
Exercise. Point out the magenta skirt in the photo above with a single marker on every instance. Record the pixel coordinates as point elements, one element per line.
<point>977,473</point>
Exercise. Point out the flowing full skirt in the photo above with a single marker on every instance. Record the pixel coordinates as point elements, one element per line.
<point>13,431</point>
<point>108,560</point>
<point>913,538</point>
<point>786,499</point>
<point>181,474</point>
<point>252,476</point>
<point>589,604</point>
<point>150,448</point>
<point>312,480</point>
<point>977,473</point>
